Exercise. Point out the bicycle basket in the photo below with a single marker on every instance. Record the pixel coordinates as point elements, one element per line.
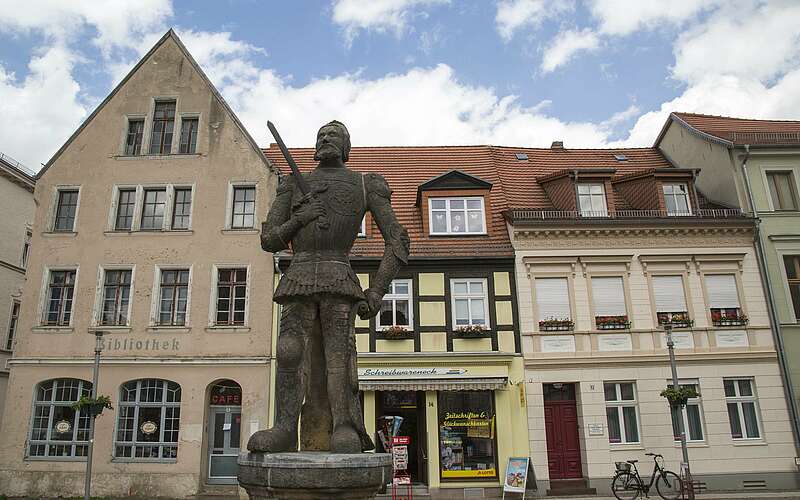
<point>623,466</point>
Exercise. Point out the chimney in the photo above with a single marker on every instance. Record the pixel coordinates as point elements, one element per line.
<point>557,145</point>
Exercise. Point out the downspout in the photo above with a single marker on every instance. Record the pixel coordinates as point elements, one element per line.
<point>766,283</point>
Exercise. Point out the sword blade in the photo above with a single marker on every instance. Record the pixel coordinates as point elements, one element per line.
<point>298,177</point>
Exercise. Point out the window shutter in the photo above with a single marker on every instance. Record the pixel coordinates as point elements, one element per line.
<point>722,293</point>
<point>609,296</point>
<point>552,298</point>
<point>668,293</point>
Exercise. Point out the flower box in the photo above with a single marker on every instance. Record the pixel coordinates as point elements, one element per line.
<point>556,325</point>
<point>676,319</point>
<point>397,333</point>
<point>471,332</point>
<point>612,322</point>
<point>740,321</point>
<point>728,317</point>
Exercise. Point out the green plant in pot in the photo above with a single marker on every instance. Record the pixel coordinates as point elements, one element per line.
<point>678,396</point>
<point>95,405</point>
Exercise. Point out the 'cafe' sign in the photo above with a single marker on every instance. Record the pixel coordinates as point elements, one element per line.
<point>222,395</point>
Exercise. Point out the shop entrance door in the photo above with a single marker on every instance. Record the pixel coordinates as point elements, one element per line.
<point>224,431</point>
<point>561,428</point>
<point>411,406</point>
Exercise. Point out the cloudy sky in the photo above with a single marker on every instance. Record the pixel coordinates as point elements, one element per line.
<point>592,73</point>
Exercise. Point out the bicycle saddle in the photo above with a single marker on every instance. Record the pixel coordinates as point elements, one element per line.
<point>632,461</point>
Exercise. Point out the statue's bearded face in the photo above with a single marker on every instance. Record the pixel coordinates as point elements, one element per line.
<point>330,143</point>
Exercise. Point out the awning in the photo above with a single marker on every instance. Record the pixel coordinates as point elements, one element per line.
<point>442,384</point>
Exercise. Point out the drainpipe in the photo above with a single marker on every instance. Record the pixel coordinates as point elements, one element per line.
<point>766,283</point>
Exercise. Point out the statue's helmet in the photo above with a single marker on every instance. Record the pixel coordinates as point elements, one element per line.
<point>345,138</point>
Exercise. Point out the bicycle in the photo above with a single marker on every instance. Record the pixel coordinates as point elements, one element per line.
<point>628,485</point>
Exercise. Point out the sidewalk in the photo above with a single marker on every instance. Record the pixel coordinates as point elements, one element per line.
<point>794,495</point>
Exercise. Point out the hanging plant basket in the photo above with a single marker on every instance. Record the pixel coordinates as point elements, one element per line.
<point>680,395</point>
<point>95,406</point>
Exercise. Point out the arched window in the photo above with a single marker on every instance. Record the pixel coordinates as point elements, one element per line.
<point>148,420</point>
<point>58,431</point>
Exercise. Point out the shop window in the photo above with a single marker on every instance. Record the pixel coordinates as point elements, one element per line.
<point>670,301</point>
<point>592,200</point>
<point>467,444</point>
<point>723,300</point>
<point>57,430</point>
<point>792,265</point>
<point>691,414</point>
<point>740,398</point>
<point>116,297</point>
<point>396,306</point>
<point>621,412</point>
<point>676,199</point>
<point>457,216</point>
<point>148,421</point>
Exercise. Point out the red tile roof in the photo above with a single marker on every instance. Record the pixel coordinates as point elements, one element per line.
<point>741,131</point>
<point>514,185</point>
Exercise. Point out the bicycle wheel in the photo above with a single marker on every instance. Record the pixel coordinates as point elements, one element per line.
<point>668,485</point>
<point>626,486</point>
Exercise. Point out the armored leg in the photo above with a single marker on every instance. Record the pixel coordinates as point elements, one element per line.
<point>315,417</point>
<point>297,321</point>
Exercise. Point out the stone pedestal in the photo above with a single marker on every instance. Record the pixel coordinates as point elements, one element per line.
<point>314,475</point>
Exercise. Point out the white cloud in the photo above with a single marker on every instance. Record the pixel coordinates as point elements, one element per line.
<point>377,15</point>
<point>623,17</point>
<point>40,111</point>
<point>565,45</point>
<point>515,14</point>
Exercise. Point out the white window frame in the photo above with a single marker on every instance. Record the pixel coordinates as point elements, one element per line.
<point>43,296</point>
<point>83,385</point>
<point>12,328</point>
<point>212,308</point>
<point>228,224</point>
<point>394,297</point>
<point>447,210</point>
<point>137,405</point>
<point>738,400</point>
<point>51,224</point>
<point>155,306</point>
<point>619,404</point>
<point>673,185</point>
<point>685,415</point>
<point>362,230</point>
<point>97,313</point>
<point>602,197</point>
<point>540,314</point>
<point>468,296</point>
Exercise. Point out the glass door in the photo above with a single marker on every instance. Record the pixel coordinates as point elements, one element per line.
<point>223,441</point>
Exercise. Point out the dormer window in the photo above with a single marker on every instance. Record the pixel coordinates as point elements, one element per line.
<point>592,200</point>
<point>457,215</point>
<point>676,199</point>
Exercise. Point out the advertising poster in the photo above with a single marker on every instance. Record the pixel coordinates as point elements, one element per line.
<point>516,475</point>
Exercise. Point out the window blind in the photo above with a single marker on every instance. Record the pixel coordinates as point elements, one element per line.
<point>609,296</point>
<point>722,293</point>
<point>668,293</point>
<point>552,298</point>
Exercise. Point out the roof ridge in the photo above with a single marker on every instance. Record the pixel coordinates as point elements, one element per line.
<point>685,113</point>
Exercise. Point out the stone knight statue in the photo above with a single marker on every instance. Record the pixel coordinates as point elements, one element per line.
<point>319,215</point>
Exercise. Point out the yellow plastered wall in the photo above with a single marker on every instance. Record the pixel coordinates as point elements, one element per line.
<point>502,284</point>
<point>433,341</point>
<point>363,323</point>
<point>505,341</point>
<point>431,284</point>
<point>505,315</point>
<point>472,345</point>
<point>432,426</point>
<point>394,345</point>
<point>362,342</point>
<point>431,314</point>
<point>369,412</point>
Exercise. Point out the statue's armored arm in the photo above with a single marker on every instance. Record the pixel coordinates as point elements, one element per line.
<point>397,242</point>
<point>280,226</point>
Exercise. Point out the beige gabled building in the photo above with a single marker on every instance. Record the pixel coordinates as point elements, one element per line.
<point>146,229</point>
<point>16,205</point>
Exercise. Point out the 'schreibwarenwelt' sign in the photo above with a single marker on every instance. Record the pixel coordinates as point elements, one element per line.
<point>408,372</point>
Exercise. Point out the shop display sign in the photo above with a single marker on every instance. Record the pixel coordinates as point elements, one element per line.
<point>516,475</point>
<point>466,435</point>
<point>224,395</point>
<point>62,426</point>
<point>148,428</point>
<point>409,372</point>
<point>400,460</point>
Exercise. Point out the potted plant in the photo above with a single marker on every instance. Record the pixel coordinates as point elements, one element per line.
<point>471,332</point>
<point>556,325</point>
<point>676,319</point>
<point>612,322</point>
<point>678,396</point>
<point>396,332</point>
<point>728,317</point>
<point>94,405</point>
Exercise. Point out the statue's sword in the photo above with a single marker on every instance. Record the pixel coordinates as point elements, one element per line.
<point>322,221</point>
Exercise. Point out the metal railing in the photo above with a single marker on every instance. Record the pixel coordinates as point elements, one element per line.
<point>766,137</point>
<point>19,166</point>
<point>718,213</point>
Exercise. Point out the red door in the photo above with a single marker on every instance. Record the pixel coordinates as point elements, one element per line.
<point>563,444</point>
